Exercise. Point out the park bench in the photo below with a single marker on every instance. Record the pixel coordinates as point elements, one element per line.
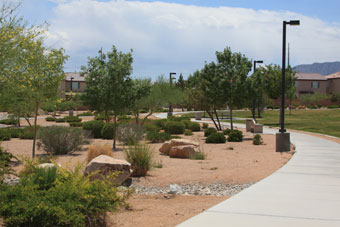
<point>253,127</point>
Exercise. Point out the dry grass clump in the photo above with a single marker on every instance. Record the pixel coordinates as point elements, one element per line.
<point>96,150</point>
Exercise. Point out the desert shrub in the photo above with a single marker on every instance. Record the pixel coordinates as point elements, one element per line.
<point>72,119</point>
<point>60,120</point>
<point>173,127</point>
<point>130,133</point>
<point>28,133</point>
<point>158,164</point>
<point>209,131</point>
<point>48,107</point>
<point>99,117</point>
<point>188,132</point>
<point>76,124</point>
<point>157,137</point>
<point>16,132</point>
<point>50,197</point>
<point>195,127</point>
<point>227,131</point>
<point>257,139</point>
<point>160,123</point>
<point>205,125</point>
<point>95,127</point>
<point>333,106</point>
<point>124,118</point>
<point>186,123</point>
<point>198,156</point>
<point>151,127</point>
<point>235,136</point>
<point>144,111</point>
<point>50,119</point>
<point>96,150</point>
<point>140,157</point>
<point>107,131</point>
<point>88,113</point>
<point>5,159</point>
<point>181,118</point>
<point>59,140</point>
<point>8,121</point>
<point>5,134</point>
<point>216,137</point>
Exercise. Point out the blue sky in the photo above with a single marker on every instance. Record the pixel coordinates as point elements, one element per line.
<point>180,36</point>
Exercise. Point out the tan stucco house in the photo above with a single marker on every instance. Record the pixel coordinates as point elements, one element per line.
<point>334,83</point>
<point>310,83</point>
<point>73,83</point>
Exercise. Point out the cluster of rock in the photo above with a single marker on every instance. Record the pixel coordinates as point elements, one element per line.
<point>216,189</point>
<point>179,148</point>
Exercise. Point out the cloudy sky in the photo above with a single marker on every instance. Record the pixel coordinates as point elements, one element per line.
<point>179,36</point>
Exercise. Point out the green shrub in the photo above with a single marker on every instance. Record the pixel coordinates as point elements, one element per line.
<point>76,124</point>
<point>140,157</point>
<point>151,127</point>
<point>188,132</point>
<point>186,123</point>
<point>66,105</point>
<point>216,137</point>
<point>124,118</point>
<point>157,137</point>
<point>235,136</point>
<point>47,197</point>
<point>60,120</point>
<point>28,133</point>
<point>129,133</point>
<point>173,127</point>
<point>144,111</point>
<point>107,131</point>
<point>48,107</point>
<point>50,119</point>
<point>195,127</point>
<point>160,123</point>
<point>257,140</point>
<point>95,127</point>
<point>5,159</point>
<point>205,125</point>
<point>227,131</point>
<point>181,118</point>
<point>100,117</point>
<point>72,119</point>
<point>9,121</point>
<point>5,134</point>
<point>88,113</point>
<point>198,156</point>
<point>209,131</point>
<point>333,106</point>
<point>59,140</point>
<point>16,132</point>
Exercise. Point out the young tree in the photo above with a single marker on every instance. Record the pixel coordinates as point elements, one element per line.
<point>141,89</point>
<point>108,84</point>
<point>234,68</point>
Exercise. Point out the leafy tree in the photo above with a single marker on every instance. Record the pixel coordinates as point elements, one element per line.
<point>141,89</point>
<point>180,82</point>
<point>234,68</point>
<point>108,84</point>
<point>27,68</point>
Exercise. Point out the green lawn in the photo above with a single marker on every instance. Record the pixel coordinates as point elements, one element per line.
<point>319,121</point>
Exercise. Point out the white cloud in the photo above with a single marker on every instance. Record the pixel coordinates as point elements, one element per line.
<point>174,37</point>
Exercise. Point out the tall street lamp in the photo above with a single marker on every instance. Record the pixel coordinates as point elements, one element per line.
<point>259,61</point>
<point>170,107</point>
<point>70,113</point>
<point>283,138</point>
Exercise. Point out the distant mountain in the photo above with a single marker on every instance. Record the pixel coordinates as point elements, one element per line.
<point>325,68</point>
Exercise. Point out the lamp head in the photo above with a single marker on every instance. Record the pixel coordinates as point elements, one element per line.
<point>294,22</point>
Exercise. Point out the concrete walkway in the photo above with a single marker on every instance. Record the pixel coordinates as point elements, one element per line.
<point>304,192</point>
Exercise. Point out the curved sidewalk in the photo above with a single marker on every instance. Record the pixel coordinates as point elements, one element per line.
<point>304,192</point>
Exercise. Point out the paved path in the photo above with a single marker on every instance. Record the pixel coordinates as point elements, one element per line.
<point>304,192</point>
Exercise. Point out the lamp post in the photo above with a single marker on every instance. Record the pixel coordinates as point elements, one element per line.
<point>70,113</point>
<point>170,107</point>
<point>259,61</point>
<point>283,138</point>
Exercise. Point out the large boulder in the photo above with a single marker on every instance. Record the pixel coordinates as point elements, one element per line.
<point>165,149</point>
<point>103,165</point>
<point>186,151</point>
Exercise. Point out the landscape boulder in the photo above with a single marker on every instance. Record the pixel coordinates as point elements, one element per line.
<point>165,148</point>
<point>103,165</point>
<point>186,151</point>
<point>48,165</point>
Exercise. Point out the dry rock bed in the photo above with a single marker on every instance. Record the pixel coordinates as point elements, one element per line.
<point>182,188</point>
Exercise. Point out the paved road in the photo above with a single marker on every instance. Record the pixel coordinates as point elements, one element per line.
<point>304,192</point>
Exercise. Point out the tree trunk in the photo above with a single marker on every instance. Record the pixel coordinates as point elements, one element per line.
<point>136,114</point>
<point>146,117</point>
<point>107,117</point>
<point>35,127</point>
<point>253,109</point>
<point>218,120</point>
<point>114,132</point>
<point>28,121</point>
<point>231,119</point>
<point>212,118</point>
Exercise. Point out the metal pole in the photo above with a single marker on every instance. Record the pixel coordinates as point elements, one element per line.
<point>283,85</point>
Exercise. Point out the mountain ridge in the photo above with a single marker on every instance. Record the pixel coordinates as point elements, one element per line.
<point>325,68</point>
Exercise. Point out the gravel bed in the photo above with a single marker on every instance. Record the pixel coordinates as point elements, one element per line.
<point>216,189</point>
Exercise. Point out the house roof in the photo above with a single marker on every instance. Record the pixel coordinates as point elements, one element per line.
<point>75,75</point>
<point>333,76</point>
<point>309,76</point>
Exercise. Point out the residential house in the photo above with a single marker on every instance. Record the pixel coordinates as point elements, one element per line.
<point>310,83</point>
<point>334,83</point>
<point>73,83</point>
